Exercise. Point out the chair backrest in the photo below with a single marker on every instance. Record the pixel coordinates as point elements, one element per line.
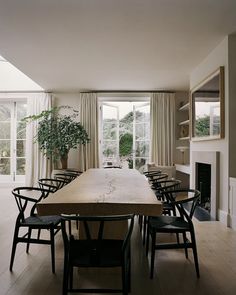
<point>51,184</point>
<point>113,166</point>
<point>74,171</point>
<point>151,174</point>
<point>101,220</point>
<point>164,185</point>
<point>27,198</point>
<point>66,177</point>
<point>157,178</point>
<point>185,201</point>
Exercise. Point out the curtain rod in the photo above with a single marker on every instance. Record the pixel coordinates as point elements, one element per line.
<point>27,91</point>
<point>128,91</point>
<point>92,91</point>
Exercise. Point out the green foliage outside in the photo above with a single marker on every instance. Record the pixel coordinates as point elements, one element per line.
<point>58,133</point>
<point>126,144</point>
<point>202,126</point>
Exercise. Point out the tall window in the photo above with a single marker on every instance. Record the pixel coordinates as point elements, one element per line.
<point>125,134</point>
<point>12,141</point>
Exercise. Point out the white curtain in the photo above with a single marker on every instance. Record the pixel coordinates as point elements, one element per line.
<point>37,165</point>
<point>88,108</point>
<point>162,116</point>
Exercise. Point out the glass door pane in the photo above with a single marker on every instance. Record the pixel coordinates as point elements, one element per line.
<point>5,141</point>
<point>21,112</point>
<point>110,138</point>
<point>12,141</point>
<point>141,136</point>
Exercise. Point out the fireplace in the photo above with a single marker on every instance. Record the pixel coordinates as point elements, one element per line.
<point>203,184</point>
<point>205,177</point>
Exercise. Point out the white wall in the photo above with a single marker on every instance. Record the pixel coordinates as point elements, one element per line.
<point>218,57</point>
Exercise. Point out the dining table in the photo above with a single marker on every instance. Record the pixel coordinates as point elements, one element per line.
<point>103,192</point>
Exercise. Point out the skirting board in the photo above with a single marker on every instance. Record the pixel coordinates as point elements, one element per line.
<point>224,217</point>
<point>232,221</point>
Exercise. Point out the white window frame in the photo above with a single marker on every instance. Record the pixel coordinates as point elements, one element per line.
<point>104,98</point>
<point>13,99</point>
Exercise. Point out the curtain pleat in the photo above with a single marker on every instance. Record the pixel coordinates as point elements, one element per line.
<point>162,116</point>
<point>37,164</point>
<point>88,154</point>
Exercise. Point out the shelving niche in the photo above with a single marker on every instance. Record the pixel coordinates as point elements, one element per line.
<point>183,135</point>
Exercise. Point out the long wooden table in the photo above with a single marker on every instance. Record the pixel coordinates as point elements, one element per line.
<point>103,192</point>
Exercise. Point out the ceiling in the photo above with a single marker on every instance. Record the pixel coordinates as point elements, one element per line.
<point>72,45</point>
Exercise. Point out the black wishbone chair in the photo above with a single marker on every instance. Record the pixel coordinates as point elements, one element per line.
<point>166,185</point>
<point>74,171</point>
<point>51,184</point>
<point>27,199</point>
<point>152,174</point>
<point>155,181</point>
<point>96,251</point>
<point>153,178</point>
<point>167,207</point>
<point>67,177</point>
<point>181,224</point>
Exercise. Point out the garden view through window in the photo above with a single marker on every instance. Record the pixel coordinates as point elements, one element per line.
<point>125,134</point>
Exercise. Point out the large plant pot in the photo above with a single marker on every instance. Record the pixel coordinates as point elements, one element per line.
<point>64,162</point>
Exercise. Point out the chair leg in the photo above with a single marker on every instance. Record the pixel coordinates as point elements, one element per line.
<point>39,232</point>
<point>177,237</point>
<point>28,243</point>
<point>71,277</point>
<point>124,281</point>
<point>147,239</point>
<point>69,225</point>
<point>153,235</point>
<point>140,221</point>
<point>144,228</point>
<point>65,279</point>
<point>129,273</point>
<point>14,244</point>
<point>52,238</point>
<point>185,243</point>
<point>195,252</point>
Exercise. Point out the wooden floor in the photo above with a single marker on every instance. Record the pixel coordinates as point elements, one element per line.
<point>173,273</point>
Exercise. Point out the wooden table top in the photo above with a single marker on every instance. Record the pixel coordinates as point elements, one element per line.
<point>101,192</point>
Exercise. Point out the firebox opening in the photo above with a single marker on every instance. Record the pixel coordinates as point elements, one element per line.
<point>203,184</point>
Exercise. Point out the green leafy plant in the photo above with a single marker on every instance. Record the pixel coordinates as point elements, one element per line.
<point>126,144</point>
<point>58,133</point>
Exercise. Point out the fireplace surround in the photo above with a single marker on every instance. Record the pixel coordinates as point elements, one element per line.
<point>211,158</point>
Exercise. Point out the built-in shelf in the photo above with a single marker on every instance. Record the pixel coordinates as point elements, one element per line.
<point>184,107</point>
<point>186,122</point>
<point>182,148</point>
<point>183,168</point>
<point>184,138</point>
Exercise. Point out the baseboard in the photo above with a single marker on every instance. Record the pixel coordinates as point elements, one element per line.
<point>224,217</point>
<point>232,221</point>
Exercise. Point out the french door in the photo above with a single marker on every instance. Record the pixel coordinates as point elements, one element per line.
<point>125,138</point>
<point>110,134</point>
<point>12,141</point>
<point>141,135</point>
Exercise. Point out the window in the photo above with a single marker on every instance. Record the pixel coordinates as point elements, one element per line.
<point>12,141</point>
<point>125,133</point>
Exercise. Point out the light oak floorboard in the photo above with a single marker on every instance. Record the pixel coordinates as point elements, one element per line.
<point>173,273</point>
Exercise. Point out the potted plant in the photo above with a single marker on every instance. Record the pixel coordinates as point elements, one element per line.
<point>58,133</point>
